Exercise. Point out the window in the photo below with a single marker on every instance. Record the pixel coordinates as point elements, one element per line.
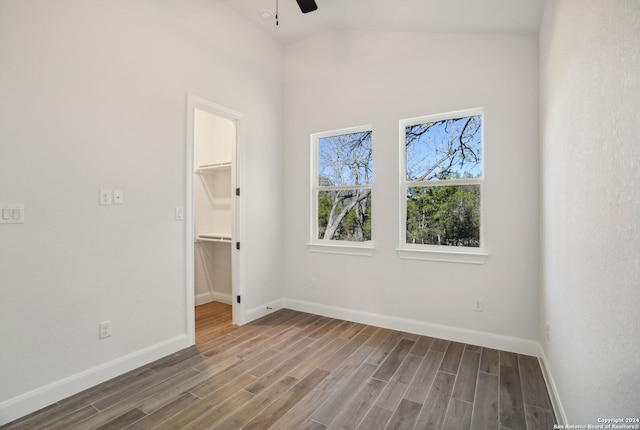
<point>342,176</point>
<point>441,186</point>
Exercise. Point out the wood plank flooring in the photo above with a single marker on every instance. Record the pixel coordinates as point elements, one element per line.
<point>292,370</point>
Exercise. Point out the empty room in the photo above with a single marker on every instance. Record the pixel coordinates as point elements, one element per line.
<point>319,214</point>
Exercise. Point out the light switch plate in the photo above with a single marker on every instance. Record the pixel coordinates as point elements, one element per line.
<point>12,214</point>
<point>106,196</point>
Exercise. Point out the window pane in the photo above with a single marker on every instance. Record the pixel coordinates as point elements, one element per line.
<point>345,159</point>
<point>344,215</point>
<point>447,215</point>
<point>446,149</point>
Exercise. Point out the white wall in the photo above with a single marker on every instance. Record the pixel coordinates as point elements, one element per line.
<point>590,112</point>
<point>93,94</point>
<point>345,79</point>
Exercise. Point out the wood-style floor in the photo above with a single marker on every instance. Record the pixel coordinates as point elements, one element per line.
<point>292,370</point>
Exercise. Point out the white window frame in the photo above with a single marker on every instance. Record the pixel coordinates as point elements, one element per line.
<point>330,246</point>
<point>452,254</point>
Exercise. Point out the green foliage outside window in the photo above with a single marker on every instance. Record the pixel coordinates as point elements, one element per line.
<point>448,215</point>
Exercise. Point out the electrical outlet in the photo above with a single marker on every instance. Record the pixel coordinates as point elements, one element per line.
<point>105,329</point>
<point>477,304</point>
<point>118,197</point>
<point>314,283</point>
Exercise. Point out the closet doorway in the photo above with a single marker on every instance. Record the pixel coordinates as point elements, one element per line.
<point>213,209</point>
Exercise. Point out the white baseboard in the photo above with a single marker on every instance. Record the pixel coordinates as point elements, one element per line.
<point>262,310</point>
<point>473,337</point>
<point>558,409</point>
<point>37,399</point>
<point>212,296</point>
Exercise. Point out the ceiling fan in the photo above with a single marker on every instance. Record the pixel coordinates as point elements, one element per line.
<point>307,6</point>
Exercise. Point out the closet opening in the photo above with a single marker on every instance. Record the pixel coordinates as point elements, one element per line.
<point>213,251</point>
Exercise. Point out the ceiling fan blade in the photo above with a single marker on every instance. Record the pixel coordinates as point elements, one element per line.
<point>307,6</point>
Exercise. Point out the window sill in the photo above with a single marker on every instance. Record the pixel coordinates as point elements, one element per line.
<point>364,250</point>
<point>478,256</point>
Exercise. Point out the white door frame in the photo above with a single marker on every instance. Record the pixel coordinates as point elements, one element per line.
<point>195,102</point>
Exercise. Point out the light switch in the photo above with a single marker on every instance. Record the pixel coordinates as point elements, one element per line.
<point>12,214</point>
<point>118,197</point>
<point>106,196</point>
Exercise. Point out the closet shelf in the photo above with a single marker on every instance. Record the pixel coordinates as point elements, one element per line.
<point>212,238</point>
<point>211,168</point>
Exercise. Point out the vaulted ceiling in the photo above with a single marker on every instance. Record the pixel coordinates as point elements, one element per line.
<point>458,16</point>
